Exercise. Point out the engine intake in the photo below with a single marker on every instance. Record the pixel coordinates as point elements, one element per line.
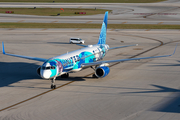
<point>102,71</point>
<point>38,70</point>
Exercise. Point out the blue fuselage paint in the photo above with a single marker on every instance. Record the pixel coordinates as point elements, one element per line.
<point>71,62</point>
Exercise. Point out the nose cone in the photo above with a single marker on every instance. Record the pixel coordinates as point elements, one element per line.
<point>46,74</point>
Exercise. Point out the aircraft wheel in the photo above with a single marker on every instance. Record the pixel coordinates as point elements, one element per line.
<point>67,75</point>
<point>53,86</point>
<point>94,76</point>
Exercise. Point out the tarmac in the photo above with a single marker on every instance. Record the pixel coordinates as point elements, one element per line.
<point>135,90</point>
<point>122,13</point>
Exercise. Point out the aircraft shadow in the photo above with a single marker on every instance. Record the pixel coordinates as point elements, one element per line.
<point>168,104</point>
<point>70,78</point>
<point>16,71</point>
<point>167,64</point>
<point>12,72</point>
<point>58,42</point>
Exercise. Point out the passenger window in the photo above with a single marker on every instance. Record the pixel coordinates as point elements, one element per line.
<point>77,58</point>
<point>74,58</point>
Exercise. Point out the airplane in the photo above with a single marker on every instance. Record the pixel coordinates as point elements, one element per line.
<point>74,61</point>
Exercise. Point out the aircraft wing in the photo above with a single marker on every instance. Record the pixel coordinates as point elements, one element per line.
<point>122,60</point>
<point>26,57</point>
<point>122,46</point>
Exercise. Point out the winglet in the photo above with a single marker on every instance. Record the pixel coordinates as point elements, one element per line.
<point>3,51</point>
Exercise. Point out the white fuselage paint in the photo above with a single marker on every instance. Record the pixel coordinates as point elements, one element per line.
<point>96,48</point>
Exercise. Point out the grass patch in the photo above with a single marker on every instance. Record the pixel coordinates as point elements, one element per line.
<point>83,25</point>
<point>86,1</point>
<point>53,11</point>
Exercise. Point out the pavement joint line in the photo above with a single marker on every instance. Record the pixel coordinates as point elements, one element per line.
<point>36,96</point>
<point>148,30</point>
<point>90,73</point>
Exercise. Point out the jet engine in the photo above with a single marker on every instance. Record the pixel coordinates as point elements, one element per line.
<point>38,70</point>
<point>102,71</point>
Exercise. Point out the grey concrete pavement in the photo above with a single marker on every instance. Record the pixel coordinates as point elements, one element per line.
<point>122,13</point>
<point>136,90</point>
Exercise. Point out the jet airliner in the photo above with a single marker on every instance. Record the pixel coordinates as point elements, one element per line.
<point>89,56</point>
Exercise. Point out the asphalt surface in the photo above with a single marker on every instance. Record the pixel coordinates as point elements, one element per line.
<point>136,90</point>
<point>122,13</point>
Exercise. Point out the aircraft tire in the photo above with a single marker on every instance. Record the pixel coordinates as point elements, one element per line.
<point>94,76</point>
<point>53,86</point>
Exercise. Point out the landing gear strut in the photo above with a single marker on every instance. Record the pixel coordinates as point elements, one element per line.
<point>53,86</point>
<point>94,76</point>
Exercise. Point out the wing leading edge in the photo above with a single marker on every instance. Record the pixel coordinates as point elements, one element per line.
<point>122,60</point>
<point>26,57</point>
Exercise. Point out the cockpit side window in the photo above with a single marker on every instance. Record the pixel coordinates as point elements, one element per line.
<point>49,67</point>
<point>52,67</point>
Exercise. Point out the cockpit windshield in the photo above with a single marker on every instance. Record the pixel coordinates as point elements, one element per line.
<point>48,68</point>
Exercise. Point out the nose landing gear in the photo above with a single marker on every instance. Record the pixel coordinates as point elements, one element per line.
<point>53,86</point>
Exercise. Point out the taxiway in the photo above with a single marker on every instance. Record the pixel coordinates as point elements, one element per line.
<point>147,89</point>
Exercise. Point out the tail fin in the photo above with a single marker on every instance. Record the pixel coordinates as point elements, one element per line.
<point>102,36</point>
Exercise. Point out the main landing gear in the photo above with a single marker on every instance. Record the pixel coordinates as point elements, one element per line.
<point>53,86</point>
<point>66,75</point>
<point>94,76</point>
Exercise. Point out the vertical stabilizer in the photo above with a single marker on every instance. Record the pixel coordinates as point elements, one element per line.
<point>102,36</point>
